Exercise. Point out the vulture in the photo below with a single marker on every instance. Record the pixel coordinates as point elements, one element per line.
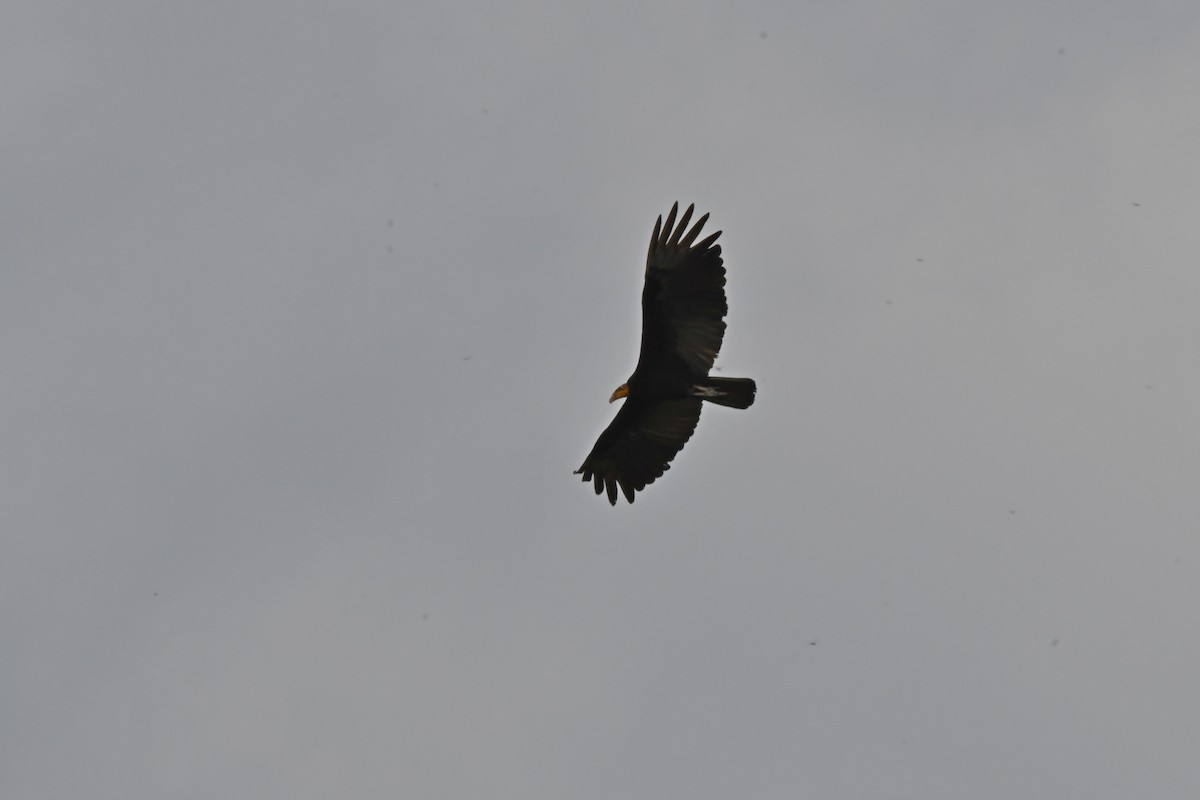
<point>683,311</point>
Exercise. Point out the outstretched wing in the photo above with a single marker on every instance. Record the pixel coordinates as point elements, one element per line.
<point>637,447</point>
<point>683,303</point>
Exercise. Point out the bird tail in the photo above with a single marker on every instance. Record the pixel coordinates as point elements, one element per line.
<point>732,392</point>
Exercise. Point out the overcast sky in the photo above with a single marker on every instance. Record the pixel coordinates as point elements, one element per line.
<point>309,311</point>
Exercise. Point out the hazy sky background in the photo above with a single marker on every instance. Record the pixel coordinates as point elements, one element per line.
<point>309,311</point>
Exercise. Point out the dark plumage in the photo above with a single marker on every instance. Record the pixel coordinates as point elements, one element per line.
<point>683,310</point>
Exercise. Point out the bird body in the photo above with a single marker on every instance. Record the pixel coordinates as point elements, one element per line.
<point>683,325</point>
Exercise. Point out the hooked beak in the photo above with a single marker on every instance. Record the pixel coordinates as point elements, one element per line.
<point>622,391</point>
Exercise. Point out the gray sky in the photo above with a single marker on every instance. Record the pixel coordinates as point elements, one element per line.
<point>308,314</point>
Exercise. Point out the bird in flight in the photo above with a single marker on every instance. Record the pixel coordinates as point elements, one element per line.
<point>683,310</point>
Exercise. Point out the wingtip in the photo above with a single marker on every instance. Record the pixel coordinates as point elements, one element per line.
<point>669,225</point>
<point>682,226</point>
